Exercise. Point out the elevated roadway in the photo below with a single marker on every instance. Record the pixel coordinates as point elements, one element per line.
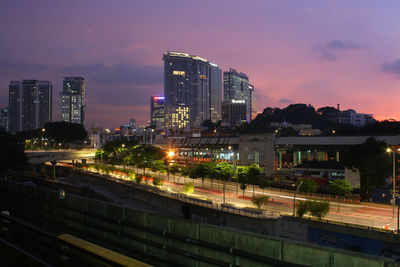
<point>43,156</point>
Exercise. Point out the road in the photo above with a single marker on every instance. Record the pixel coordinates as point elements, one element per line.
<point>366,214</point>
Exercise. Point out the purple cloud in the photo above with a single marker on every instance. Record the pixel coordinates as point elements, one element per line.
<point>393,67</point>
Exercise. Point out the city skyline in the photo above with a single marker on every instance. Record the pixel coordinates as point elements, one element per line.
<point>295,52</point>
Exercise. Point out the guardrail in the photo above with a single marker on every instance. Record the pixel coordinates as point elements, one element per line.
<point>259,214</point>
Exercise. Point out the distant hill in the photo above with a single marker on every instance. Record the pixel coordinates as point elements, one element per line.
<point>295,114</point>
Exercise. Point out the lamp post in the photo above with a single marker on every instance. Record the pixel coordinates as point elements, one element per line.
<point>43,131</point>
<point>388,150</point>
<point>294,198</point>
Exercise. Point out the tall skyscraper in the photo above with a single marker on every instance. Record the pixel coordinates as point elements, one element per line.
<point>234,112</point>
<point>4,119</point>
<point>215,92</point>
<point>30,104</point>
<point>73,100</point>
<point>253,101</point>
<point>191,87</point>
<point>237,87</point>
<point>157,112</point>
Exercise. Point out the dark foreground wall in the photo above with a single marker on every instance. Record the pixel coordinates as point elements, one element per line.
<point>170,241</point>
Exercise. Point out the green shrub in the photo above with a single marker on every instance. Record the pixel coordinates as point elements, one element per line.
<point>259,200</point>
<point>139,178</point>
<point>157,181</point>
<point>318,209</point>
<point>188,188</point>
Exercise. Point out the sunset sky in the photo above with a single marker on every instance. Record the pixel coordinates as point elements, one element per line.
<point>314,52</point>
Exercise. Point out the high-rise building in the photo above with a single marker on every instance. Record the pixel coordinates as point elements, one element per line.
<point>191,85</point>
<point>177,117</point>
<point>237,87</point>
<point>234,112</point>
<point>157,112</point>
<point>4,119</point>
<point>253,101</point>
<point>30,104</point>
<point>73,100</point>
<point>215,92</point>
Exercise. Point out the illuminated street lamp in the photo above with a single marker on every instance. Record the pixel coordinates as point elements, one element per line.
<point>43,131</point>
<point>389,150</point>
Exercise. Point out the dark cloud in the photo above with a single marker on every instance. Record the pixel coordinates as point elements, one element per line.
<point>393,67</point>
<point>342,45</point>
<point>328,51</point>
<point>285,101</point>
<point>23,67</point>
<point>119,73</point>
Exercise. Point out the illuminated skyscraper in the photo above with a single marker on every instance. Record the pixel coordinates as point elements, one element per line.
<point>157,112</point>
<point>30,104</point>
<point>237,87</point>
<point>73,100</point>
<point>191,84</point>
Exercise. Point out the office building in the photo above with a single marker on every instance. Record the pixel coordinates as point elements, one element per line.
<point>234,112</point>
<point>237,87</point>
<point>30,104</point>
<point>73,100</point>
<point>157,114</point>
<point>4,119</point>
<point>177,117</point>
<point>350,117</point>
<point>253,102</point>
<point>215,92</point>
<point>192,85</point>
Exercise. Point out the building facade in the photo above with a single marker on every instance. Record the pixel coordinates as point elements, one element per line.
<point>350,117</point>
<point>237,87</point>
<point>234,112</point>
<point>30,104</point>
<point>4,119</point>
<point>157,112</point>
<point>73,100</point>
<point>191,84</point>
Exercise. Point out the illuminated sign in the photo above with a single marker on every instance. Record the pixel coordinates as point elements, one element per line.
<point>204,77</point>
<point>238,101</point>
<point>158,97</point>
<point>178,72</point>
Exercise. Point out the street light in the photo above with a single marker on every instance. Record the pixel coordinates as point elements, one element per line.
<point>389,150</point>
<point>43,131</point>
<point>294,198</point>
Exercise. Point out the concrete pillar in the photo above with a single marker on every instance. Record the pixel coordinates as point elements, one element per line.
<point>53,164</point>
<point>337,156</point>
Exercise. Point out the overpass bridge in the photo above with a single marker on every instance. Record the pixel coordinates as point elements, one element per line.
<point>43,156</point>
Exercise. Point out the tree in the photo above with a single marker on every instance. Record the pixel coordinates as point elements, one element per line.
<point>188,188</point>
<point>158,166</point>
<point>372,162</point>
<point>173,169</point>
<point>308,186</point>
<point>157,181</point>
<point>264,183</point>
<point>64,132</point>
<point>209,166</point>
<point>12,154</point>
<point>340,187</point>
<point>143,156</point>
<point>302,208</point>
<point>200,171</point>
<point>260,200</point>
<point>253,175</point>
<point>241,177</point>
<point>319,209</point>
<point>224,172</point>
